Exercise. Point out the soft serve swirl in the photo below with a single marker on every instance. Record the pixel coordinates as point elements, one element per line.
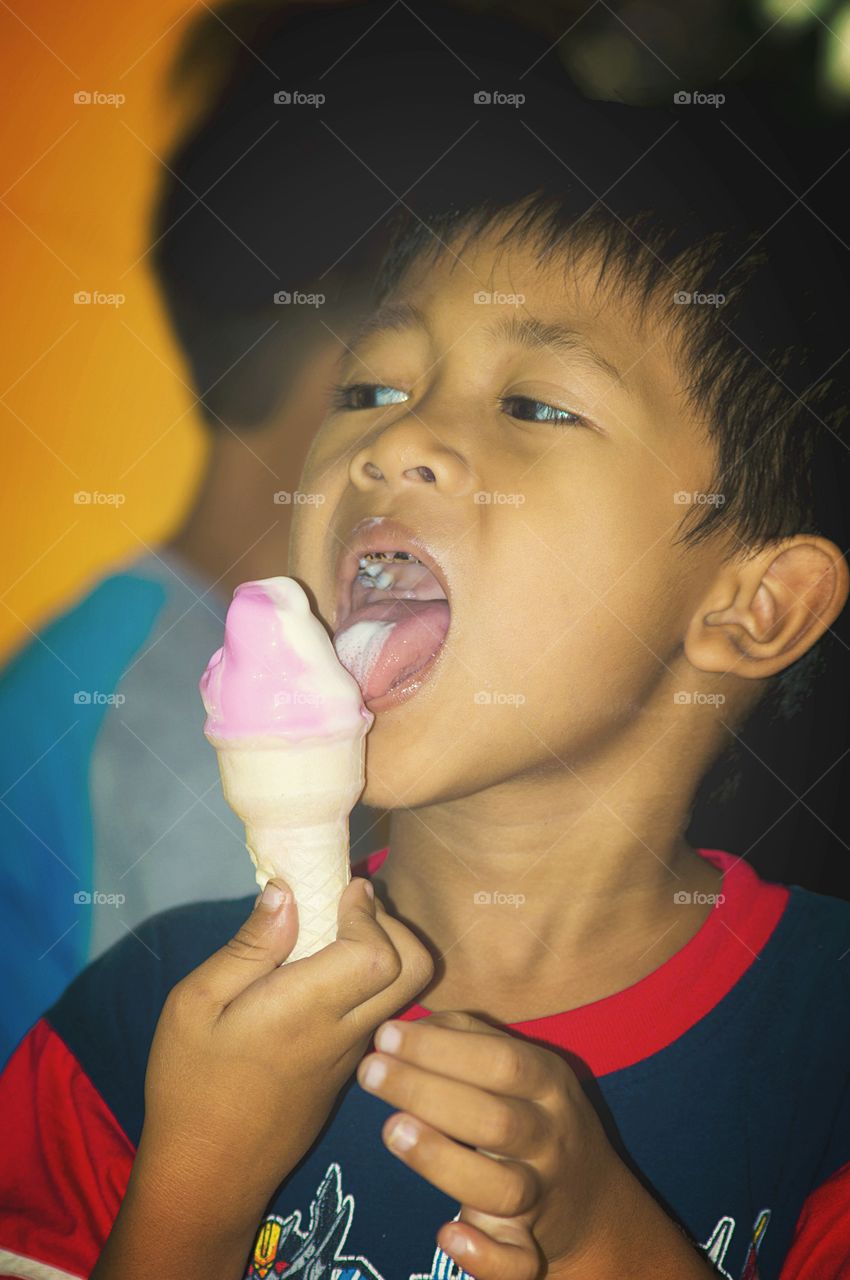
<point>277,674</point>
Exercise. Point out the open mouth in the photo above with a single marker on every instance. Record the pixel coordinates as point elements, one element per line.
<point>393,623</point>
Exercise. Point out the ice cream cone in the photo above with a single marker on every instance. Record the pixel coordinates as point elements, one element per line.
<point>289,725</point>
<point>294,799</point>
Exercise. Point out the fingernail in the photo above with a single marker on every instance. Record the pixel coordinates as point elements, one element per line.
<point>403,1136</point>
<point>273,896</point>
<point>460,1244</point>
<point>374,1073</point>
<point>369,889</point>
<point>388,1038</point>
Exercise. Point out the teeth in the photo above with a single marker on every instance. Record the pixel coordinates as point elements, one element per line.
<point>373,575</point>
<point>387,555</point>
<point>371,567</point>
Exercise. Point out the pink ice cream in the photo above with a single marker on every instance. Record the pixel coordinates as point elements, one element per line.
<point>277,675</point>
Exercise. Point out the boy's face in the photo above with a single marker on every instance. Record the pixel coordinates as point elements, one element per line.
<point>568,599</point>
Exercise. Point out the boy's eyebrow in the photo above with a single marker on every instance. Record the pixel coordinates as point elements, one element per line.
<point>523,331</point>
<point>394,316</point>
<point>527,331</point>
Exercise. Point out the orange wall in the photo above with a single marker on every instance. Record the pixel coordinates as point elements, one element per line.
<point>92,398</point>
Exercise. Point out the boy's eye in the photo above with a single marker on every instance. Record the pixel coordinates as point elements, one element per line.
<point>366,395</point>
<point>369,395</point>
<point>528,410</point>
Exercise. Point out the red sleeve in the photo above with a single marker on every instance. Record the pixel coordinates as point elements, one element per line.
<point>820,1249</point>
<point>64,1162</point>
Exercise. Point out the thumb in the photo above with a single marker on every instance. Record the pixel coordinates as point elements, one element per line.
<point>262,943</point>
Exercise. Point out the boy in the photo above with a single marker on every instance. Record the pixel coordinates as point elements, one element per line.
<point>635,1060</point>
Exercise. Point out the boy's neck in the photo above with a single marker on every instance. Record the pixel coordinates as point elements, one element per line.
<point>589,904</point>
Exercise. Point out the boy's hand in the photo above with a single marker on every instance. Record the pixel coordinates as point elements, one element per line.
<point>248,1057</point>
<point>545,1193</point>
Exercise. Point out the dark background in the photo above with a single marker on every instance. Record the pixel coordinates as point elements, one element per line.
<point>781,796</point>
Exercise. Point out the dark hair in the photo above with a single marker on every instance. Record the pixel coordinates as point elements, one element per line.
<point>263,197</point>
<point>664,210</point>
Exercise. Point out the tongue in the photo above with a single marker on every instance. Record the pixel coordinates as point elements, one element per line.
<point>385,644</point>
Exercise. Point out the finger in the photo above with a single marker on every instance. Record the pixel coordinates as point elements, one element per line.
<point>361,964</point>
<point>509,1065</point>
<point>500,1187</point>
<point>460,1020</point>
<point>416,973</point>
<point>511,1254</point>
<point>261,945</point>
<point>465,1112</point>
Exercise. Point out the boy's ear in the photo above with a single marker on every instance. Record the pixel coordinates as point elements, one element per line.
<point>764,613</point>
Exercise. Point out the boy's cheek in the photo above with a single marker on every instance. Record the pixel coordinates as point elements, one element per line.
<point>311,559</point>
<point>520,699</point>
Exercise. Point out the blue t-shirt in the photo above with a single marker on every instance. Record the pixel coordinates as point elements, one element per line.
<point>721,1077</point>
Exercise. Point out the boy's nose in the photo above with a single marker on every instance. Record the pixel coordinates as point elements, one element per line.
<point>397,460</point>
<point>412,473</point>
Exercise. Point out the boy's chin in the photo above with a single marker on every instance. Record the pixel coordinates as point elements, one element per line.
<point>376,796</point>
<point>416,791</point>
<point>399,795</point>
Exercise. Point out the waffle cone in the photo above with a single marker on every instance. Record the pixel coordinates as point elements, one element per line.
<point>294,799</point>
